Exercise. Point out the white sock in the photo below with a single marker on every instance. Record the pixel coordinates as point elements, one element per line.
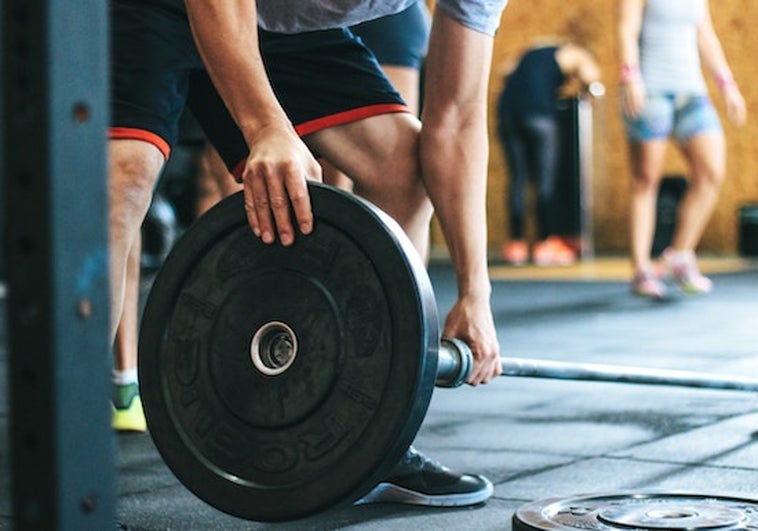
<point>679,258</point>
<point>125,377</point>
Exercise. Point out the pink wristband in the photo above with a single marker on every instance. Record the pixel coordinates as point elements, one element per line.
<point>628,72</point>
<point>724,80</point>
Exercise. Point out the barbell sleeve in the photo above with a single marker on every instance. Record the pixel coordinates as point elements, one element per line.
<point>456,360</point>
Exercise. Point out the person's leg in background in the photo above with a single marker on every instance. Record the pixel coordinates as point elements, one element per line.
<point>134,169</point>
<point>127,405</point>
<point>648,135</point>
<point>143,128</point>
<point>516,250</point>
<point>213,180</point>
<point>544,134</point>
<point>647,169</point>
<point>702,143</point>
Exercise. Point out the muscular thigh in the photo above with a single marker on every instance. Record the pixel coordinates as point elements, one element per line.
<point>378,150</point>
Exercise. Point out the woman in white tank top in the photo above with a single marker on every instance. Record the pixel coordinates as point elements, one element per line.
<point>664,95</point>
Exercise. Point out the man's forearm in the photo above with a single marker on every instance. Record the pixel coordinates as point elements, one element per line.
<point>457,187</point>
<point>278,163</point>
<point>454,145</point>
<point>226,36</point>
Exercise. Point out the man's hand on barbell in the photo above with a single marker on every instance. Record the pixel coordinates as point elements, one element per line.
<point>471,320</point>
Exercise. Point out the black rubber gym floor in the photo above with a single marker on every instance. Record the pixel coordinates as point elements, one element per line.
<point>538,439</point>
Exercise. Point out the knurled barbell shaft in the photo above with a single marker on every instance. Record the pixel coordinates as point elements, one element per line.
<point>456,361</point>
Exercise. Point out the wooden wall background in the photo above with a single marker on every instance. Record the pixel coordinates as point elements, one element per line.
<point>594,21</point>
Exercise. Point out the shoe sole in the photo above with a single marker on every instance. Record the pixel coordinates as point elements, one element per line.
<point>691,290</point>
<point>131,419</point>
<point>648,295</point>
<point>554,263</point>
<point>128,425</point>
<point>390,493</point>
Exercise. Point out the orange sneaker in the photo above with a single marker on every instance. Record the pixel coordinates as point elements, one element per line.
<point>553,252</point>
<point>516,252</point>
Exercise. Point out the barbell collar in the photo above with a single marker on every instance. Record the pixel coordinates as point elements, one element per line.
<point>455,361</point>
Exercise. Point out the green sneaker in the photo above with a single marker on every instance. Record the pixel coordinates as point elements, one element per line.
<point>128,415</point>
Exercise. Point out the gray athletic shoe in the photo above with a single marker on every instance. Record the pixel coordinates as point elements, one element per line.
<point>418,480</point>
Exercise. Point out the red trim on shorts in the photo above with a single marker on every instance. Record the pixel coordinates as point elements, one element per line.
<point>131,133</point>
<point>238,169</point>
<point>340,118</point>
<point>345,117</point>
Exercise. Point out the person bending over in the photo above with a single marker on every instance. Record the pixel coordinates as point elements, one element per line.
<point>269,81</point>
<point>529,132</point>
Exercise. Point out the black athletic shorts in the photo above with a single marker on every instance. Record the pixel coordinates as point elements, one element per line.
<point>400,39</point>
<point>322,79</point>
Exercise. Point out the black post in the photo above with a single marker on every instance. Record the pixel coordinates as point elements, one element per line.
<point>55,77</point>
<point>573,187</point>
<point>2,165</point>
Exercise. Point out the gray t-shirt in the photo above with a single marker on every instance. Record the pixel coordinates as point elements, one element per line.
<point>669,55</point>
<point>293,16</point>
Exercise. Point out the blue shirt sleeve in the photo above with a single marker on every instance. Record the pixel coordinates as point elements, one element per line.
<point>479,15</point>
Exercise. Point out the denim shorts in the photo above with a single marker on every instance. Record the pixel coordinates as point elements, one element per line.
<point>680,116</point>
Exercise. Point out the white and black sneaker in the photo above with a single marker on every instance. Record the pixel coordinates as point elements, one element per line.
<point>418,480</point>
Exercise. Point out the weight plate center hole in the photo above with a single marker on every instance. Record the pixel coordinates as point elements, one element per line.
<point>273,348</point>
<point>671,514</point>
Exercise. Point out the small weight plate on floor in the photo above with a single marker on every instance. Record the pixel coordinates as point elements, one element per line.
<point>279,381</point>
<point>671,512</point>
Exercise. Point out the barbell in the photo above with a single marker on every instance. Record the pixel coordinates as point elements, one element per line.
<point>455,361</point>
<point>279,381</point>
